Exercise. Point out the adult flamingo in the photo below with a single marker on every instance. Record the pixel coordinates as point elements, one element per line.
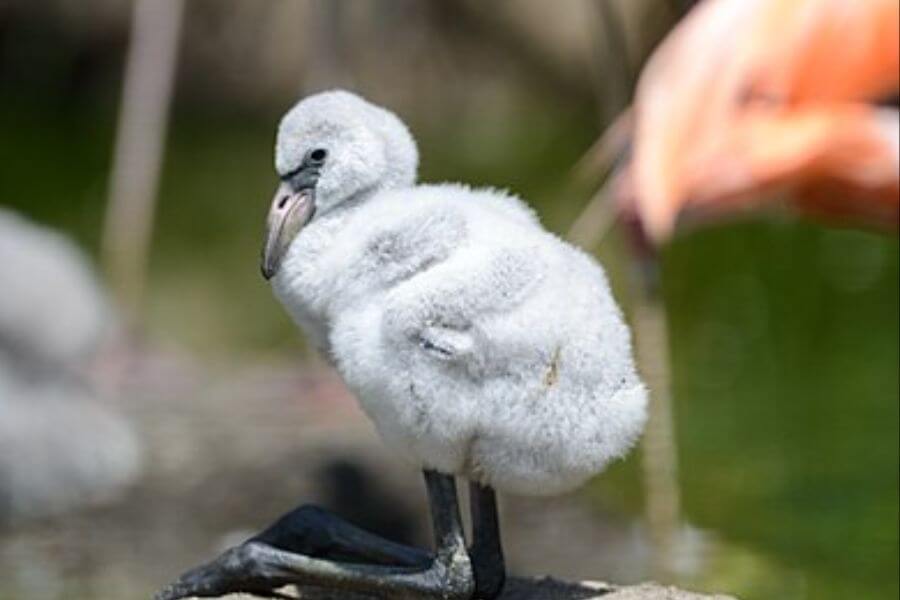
<point>749,103</point>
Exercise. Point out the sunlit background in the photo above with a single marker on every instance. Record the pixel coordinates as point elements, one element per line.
<point>147,421</point>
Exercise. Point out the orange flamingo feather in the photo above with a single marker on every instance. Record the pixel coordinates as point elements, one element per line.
<point>746,98</point>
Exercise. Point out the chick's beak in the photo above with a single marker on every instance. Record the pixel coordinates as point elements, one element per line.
<point>290,211</point>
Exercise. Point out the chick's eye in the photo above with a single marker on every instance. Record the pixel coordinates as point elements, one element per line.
<point>318,155</point>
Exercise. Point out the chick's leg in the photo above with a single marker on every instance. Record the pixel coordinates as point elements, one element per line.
<point>486,551</point>
<point>271,560</point>
<point>319,533</point>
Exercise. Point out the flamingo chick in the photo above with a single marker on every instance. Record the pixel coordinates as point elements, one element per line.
<point>480,345</point>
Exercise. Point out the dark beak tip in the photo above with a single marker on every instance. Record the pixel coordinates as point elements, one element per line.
<point>266,267</point>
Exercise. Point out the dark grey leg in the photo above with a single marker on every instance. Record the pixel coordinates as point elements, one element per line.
<point>318,533</point>
<point>257,566</point>
<point>486,551</point>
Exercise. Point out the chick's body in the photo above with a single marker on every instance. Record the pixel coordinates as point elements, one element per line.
<point>478,343</point>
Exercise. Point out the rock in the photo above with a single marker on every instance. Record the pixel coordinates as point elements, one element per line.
<point>542,588</point>
<point>547,588</point>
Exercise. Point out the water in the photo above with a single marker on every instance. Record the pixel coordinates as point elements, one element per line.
<point>785,348</point>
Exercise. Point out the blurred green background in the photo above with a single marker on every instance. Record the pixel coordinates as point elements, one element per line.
<point>783,335</point>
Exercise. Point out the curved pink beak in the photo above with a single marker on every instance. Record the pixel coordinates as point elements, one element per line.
<point>289,212</point>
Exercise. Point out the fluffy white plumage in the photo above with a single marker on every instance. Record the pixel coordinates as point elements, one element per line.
<point>52,308</point>
<point>60,448</point>
<point>478,343</point>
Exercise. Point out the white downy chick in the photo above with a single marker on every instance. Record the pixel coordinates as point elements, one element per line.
<point>477,342</point>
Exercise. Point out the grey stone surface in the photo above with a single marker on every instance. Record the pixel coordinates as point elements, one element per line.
<point>546,588</point>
